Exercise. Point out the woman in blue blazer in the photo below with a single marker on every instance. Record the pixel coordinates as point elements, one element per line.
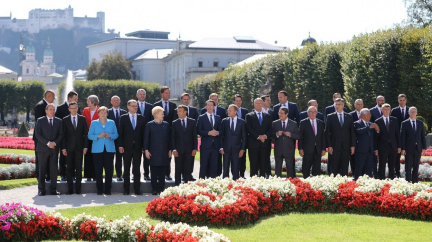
<point>103,132</point>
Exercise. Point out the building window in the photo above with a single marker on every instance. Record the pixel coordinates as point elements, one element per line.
<point>215,64</point>
<point>200,64</point>
<point>27,71</point>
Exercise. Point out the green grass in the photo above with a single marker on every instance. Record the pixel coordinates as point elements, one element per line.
<point>292,227</point>
<point>14,183</point>
<point>5,165</point>
<point>17,151</point>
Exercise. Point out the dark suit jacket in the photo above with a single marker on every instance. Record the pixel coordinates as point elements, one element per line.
<point>254,129</point>
<point>285,145</point>
<point>193,113</point>
<point>354,115</point>
<point>309,142</point>
<point>233,141</point>
<point>39,111</point>
<point>147,111</point>
<point>63,111</point>
<point>184,140</point>
<point>304,115</point>
<point>339,137</point>
<point>388,140</point>
<point>204,126</point>
<point>396,112</point>
<point>44,134</point>
<point>365,137</point>
<point>220,111</point>
<point>111,115</point>
<point>375,114</point>
<point>293,112</point>
<point>75,139</point>
<point>413,140</point>
<point>243,112</point>
<point>172,106</point>
<point>331,109</point>
<point>130,139</point>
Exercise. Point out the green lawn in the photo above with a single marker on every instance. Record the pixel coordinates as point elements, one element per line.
<point>294,226</point>
<point>14,183</point>
<point>5,165</point>
<point>16,151</point>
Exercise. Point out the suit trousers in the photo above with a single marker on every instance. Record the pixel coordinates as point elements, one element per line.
<point>412,162</point>
<point>103,161</point>
<point>258,158</point>
<point>397,166</point>
<point>62,164</point>
<point>118,160</point>
<point>48,159</point>
<point>339,162</point>
<point>289,162</point>
<point>242,165</point>
<point>352,164</point>
<point>132,157</point>
<point>209,162</point>
<point>89,167</point>
<point>219,167</point>
<point>311,161</point>
<point>375,167</point>
<point>364,163</point>
<point>231,158</point>
<point>146,166</point>
<point>158,178</point>
<point>182,166</point>
<point>74,162</point>
<point>386,157</point>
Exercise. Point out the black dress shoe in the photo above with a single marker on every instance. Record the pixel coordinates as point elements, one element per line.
<point>55,193</point>
<point>154,193</point>
<point>78,192</point>
<point>63,178</point>
<point>88,179</point>
<point>47,179</point>
<point>99,193</point>
<point>41,194</point>
<point>70,192</point>
<point>168,178</point>
<point>147,178</point>
<point>193,178</point>
<point>126,193</point>
<point>138,193</point>
<point>119,179</point>
<point>107,193</point>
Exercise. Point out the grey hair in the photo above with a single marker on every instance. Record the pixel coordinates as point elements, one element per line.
<point>412,107</point>
<point>312,107</point>
<point>139,90</point>
<point>364,111</point>
<point>358,100</point>
<point>385,105</point>
<point>93,99</point>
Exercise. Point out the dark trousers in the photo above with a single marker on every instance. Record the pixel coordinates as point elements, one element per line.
<point>231,158</point>
<point>242,165</point>
<point>146,166</point>
<point>62,165</point>
<point>375,167</point>
<point>352,164</point>
<point>168,169</point>
<point>37,164</point>
<point>290,165</point>
<point>192,165</point>
<point>132,157</point>
<point>74,161</point>
<point>103,161</point>
<point>386,157</point>
<point>258,160</point>
<point>48,159</point>
<point>397,165</point>
<point>268,163</point>
<point>118,161</point>
<point>89,167</point>
<point>329,159</point>
<point>311,161</point>
<point>182,166</point>
<point>219,167</point>
<point>209,162</point>
<point>364,164</point>
<point>412,162</point>
<point>339,162</point>
<point>158,178</point>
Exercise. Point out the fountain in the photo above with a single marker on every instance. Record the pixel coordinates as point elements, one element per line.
<point>69,83</point>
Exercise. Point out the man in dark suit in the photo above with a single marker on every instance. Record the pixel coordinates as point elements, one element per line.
<point>358,104</point>
<point>340,139</point>
<point>114,113</point>
<point>401,113</point>
<point>413,142</point>
<point>266,109</point>
<point>218,110</point>
<point>311,144</point>
<point>208,127</point>
<point>61,112</point>
<point>376,111</point>
<point>130,141</point>
<point>388,142</point>
<point>259,128</point>
<point>285,132</point>
<point>49,134</point>
<point>192,113</point>
<point>39,111</point>
<point>331,109</point>
<point>169,108</point>
<point>233,134</point>
<point>74,146</point>
<point>241,113</point>
<point>305,114</point>
<point>184,143</point>
<point>365,144</point>
<point>145,109</point>
<point>294,113</point>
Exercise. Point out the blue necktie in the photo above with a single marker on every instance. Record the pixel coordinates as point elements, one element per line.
<point>166,108</point>
<point>340,119</point>
<point>133,122</point>
<point>142,109</point>
<point>259,118</point>
<point>232,125</point>
<point>117,116</point>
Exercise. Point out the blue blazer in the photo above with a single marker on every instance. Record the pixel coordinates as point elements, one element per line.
<point>365,137</point>
<point>96,128</point>
<point>293,112</point>
<point>304,115</point>
<point>413,140</point>
<point>220,111</point>
<point>203,127</point>
<point>331,109</point>
<point>375,114</point>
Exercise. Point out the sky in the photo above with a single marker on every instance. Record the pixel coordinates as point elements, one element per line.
<point>288,21</point>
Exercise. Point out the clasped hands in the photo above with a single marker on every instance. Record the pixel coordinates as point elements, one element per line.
<point>286,133</point>
<point>213,132</point>
<point>104,135</point>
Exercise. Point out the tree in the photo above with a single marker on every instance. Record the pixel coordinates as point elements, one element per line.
<point>30,92</point>
<point>113,66</point>
<point>8,91</point>
<point>419,12</point>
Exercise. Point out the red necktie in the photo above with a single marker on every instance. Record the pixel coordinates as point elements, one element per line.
<point>313,126</point>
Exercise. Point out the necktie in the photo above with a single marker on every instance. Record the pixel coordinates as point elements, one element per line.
<point>117,115</point>
<point>166,108</point>
<point>184,124</point>
<point>133,122</point>
<point>142,109</point>
<point>51,124</point>
<point>313,127</point>
<point>74,123</point>
<point>283,125</point>
<point>259,118</point>
<point>414,126</point>
<point>211,120</point>
<point>387,124</point>
<point>403,113</point>
<point>232,125</point>
<point>239,113</point>
<point>340,119</point>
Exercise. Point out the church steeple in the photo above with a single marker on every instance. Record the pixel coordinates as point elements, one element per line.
<point>48,53</point>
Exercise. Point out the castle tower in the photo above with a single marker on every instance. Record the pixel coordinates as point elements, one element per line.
<point>29,65</point>
<point>47,67</point>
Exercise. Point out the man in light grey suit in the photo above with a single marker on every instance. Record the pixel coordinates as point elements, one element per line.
<point>285,131</point>
<point>49,134</point>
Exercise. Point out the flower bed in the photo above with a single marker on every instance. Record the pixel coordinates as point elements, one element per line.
<point>24,170</point>
<point>227,202</point>
<point>16,159</point>
<point>22,223</point>
<point>25,143</point>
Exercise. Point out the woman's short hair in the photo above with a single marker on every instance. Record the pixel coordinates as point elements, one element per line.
<point>93,99</point>
<point>102,109</point>
<point>156,110</point>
